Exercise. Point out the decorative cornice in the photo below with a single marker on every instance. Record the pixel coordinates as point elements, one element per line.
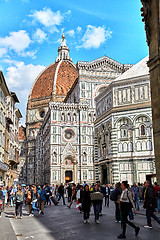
<point>68,106</point>
<point>84,65</point>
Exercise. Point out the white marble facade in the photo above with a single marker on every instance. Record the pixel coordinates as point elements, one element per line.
<point>123,129</point>
<point>65,142</point>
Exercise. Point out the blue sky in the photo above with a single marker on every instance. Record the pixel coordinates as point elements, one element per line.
<point>30,33</point>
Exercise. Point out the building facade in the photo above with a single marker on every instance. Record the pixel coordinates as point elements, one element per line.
<point>66,91</point>
<point>22,154</point>
<point>124,148</point>
<point>4,92</point>
<point>9,144</point>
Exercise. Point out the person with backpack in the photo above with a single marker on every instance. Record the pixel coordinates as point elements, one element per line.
<point>48,194</point>
<point>157,195</point>
<point>126,204</point>
<point>42,197</point>
<point>115,196</point>
<point>150,204</point>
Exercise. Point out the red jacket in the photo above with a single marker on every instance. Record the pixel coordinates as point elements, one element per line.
<point>156,188</point>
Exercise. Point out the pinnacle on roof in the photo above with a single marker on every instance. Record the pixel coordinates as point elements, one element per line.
<point>63,51</point>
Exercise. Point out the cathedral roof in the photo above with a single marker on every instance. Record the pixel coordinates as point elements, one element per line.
<point>57,78</point>
<point>139,69</point>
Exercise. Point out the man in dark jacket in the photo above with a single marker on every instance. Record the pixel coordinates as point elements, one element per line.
<point>69,193</point>
<point>61,193</point>
<point>149,204</point>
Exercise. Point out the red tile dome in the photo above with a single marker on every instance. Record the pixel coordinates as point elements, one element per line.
<point>56,79</point>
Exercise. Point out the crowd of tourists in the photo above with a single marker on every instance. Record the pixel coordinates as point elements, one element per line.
<point>126,199</point>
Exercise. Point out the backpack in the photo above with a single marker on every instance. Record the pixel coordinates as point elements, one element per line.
<point>114,195</point>
<point>28,197</point>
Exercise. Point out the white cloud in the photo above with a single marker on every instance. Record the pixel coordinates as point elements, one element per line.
<point>3,51</point>
<point>95,36</point>
<point>19,78</point>
<point>39,35</point>
<point>71,33</point>
<point>16,41</point>
<point>31,54</point>
<point>79,29</point>
<point>20,75</point>
<point>48,18</point>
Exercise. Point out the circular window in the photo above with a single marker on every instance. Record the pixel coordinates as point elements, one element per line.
<point>42,114</point>
<point>69,135</point>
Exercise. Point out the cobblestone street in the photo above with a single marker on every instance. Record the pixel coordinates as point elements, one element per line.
<point>59,223</point>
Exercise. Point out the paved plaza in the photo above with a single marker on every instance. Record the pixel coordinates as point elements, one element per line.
<point>59,223</point>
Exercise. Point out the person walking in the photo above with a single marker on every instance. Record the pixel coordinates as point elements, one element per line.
<point>34,197</point>
<point>73,195</point>
<point>97,198</point>
<point>48,194</point>
<point>79,197</point>
<point>135,191</point>
<point>5,196</point>
<point>102,190</point>
<point>107,194</point>
<point>19,198</point>
<point>115,196</point>
<point>126,203</point>
<point>86,203</point>
<point>150,204</point>
<point>69,189</point>
<point>61,193</point>
<point>42,195</point>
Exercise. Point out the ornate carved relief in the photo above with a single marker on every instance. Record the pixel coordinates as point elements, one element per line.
<point>146,13</point>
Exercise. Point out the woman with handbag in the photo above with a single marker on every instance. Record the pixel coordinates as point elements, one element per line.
<point>19,198</point>
<point>86,203</point>
<point>97,198</point>
<point>126,204</point>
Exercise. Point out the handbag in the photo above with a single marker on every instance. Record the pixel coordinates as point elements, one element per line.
<point>130,204</point>
<point>96,196</point>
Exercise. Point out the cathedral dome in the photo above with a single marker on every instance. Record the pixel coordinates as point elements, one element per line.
<point>57,78</point>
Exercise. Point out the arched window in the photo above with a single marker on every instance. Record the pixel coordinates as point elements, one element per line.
<point>89,117</point>
<point>62,117</point>
<point>74,117</point>
<point>69,117</point>
<point>84,157</point>
<point>54,157</point>
<point>143,130</point>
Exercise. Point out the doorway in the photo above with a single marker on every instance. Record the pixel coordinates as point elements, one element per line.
<point>68,176</point>
<point>104,175</point>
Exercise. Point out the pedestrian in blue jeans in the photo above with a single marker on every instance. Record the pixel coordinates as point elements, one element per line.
<point>34,196</point>
<point>97,202</point>
<point>135,191</point>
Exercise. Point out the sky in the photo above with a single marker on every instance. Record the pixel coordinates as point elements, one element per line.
<point>31,30</point>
